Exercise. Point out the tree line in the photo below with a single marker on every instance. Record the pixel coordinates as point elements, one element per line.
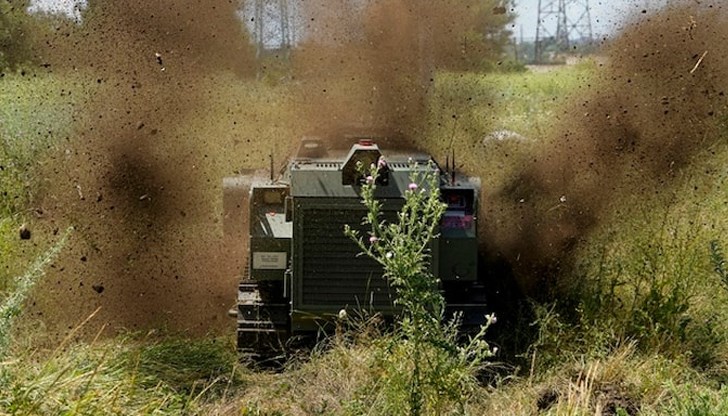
<point>449,34</point>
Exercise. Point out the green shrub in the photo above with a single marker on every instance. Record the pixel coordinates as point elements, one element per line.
<point>643,288</point>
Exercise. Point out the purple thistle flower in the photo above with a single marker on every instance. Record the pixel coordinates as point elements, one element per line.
<point>373,239</point>
<point>412,186</point>
<point>370,179</point>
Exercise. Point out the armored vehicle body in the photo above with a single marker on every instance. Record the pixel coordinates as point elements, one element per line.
<point>302,271</point>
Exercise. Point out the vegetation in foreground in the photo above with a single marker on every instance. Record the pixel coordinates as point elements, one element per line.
<point>643,331</point>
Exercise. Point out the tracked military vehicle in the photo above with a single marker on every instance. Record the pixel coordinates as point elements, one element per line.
<point>301,270</point>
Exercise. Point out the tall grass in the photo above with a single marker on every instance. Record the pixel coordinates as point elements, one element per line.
<point>642,330</point>
<point>117,376</point>
<point>36,112</point>
<point>495,122</point>
<point>651,279</point>
<point>12,305</point>
<point>127,375</point>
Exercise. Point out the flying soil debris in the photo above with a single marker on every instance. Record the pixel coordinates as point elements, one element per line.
<point>148,167</point>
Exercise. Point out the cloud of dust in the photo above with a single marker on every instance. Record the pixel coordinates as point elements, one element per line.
<point>132,180</point>
<point>659,100</point>
<point>137,185</point>
<point>372,63</point>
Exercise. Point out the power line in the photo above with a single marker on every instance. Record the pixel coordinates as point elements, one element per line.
<point>573,24</point>
<point>272,29</point>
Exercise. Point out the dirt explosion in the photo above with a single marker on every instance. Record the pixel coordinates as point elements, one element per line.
<point>133,181</point>
<point>661,98</point>
<point>140,178</point>
<point>140,183</point>
<point>371,68</point>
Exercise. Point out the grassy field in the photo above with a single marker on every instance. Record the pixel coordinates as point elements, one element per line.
<point>642,327</point>
<point>35,117</point>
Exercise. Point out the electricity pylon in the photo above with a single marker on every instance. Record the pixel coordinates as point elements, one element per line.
<point>272,30</point>
<point>573,25</point>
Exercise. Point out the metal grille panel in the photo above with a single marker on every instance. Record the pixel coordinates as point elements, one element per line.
<point>334,274</point>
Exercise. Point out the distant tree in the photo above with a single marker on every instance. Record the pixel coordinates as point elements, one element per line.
<point>467,34</point>
<point>389,51</point>
<point>15,47</point>
<point>207,34</point>
<point>449,34</point>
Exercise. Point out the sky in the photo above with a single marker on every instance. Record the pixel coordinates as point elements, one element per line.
<point>67,7</point>
<point>607,16</point>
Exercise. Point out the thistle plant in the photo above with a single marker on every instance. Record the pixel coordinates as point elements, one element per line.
<point>427,364</point>
<point>403,247</point>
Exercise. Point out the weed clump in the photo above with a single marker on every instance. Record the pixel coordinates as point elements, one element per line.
<point>424,368</point>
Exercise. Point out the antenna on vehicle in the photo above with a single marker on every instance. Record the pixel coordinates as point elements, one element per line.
<point>452,172</point>
<point>451,168</point>
<point>271,168</point>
